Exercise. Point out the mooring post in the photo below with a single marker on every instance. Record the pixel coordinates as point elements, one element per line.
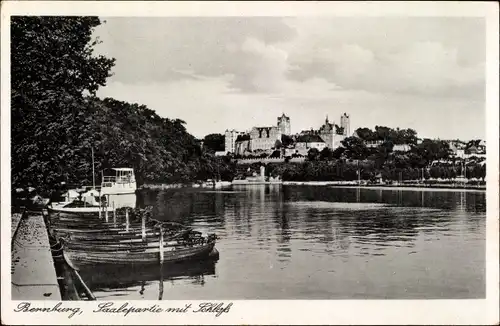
<point>161,244</point>
<point>126,219</point>
<point>106,212</point>
<point>100,207</point>
<point>114,214</point>
<point>143,227</point>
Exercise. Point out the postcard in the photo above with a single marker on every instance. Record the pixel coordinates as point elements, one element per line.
<point>249,163</point>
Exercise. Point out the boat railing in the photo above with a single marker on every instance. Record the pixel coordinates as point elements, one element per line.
<point>119,179</point>
<point>108,179</point>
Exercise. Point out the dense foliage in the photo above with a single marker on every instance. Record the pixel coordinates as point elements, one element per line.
<point>214,142</point>
<point>345,170</point>
<point>57,120</point>
<point>52,65</point>
<point>382,133</point>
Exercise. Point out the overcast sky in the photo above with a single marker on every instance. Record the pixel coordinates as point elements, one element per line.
<point>237,72</point>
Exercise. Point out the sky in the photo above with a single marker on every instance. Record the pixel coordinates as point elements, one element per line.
<point>218,73</point>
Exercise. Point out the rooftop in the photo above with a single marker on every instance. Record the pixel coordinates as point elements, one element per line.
<point>309,139</point>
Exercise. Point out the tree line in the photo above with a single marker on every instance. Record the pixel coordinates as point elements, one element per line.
<point>345,170</point>
<point>57,119</point>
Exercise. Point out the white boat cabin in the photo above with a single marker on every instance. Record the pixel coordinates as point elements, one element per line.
<point>123,182</point>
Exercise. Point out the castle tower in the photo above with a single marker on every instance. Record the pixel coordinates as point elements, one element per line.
<point>284,124</point>
<point>345,123</point>
<point>230,140</point>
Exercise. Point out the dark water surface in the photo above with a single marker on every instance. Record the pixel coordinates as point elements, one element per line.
<point>306,242</point>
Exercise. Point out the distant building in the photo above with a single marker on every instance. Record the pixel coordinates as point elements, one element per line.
<point>345,124</point>
<point>264,138</point>
<point>242,147</point>
<point>401,148</point>
<point>328,133</point>
<point>374,143</point>
<point>230,140</point>
<point>306,142</point>
<point>284,124</point>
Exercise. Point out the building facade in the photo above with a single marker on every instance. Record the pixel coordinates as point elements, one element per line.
<point>284,124</point>
<point>264,138</point>
<point>242,147</point>
<point>230,140</point>
<point>306,142</point>
<point>328,133</point>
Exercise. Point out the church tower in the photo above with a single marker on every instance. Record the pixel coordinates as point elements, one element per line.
<point>284,124</point>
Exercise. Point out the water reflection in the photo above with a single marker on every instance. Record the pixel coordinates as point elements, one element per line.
<point>280,235</point>
<point>113,277</point>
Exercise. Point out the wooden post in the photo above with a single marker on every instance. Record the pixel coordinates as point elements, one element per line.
<point>161,244</point>
<point>127,219</point>
<point>100,206</point>
<point>143,227</point>
<point>160,294</point>
<point>106,212</point>
<point>114,214</point>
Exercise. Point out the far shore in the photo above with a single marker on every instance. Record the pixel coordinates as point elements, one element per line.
<point>340,184</point>
<point>414,187</point>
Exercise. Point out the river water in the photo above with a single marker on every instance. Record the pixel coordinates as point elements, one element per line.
<point>307,242</point>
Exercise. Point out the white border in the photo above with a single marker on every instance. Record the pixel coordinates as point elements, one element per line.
<point>275,312</point>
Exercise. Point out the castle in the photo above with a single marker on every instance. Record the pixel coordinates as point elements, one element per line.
<point>267,139</point>
<point>332,134</point>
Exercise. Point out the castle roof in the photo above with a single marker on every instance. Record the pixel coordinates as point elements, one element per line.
<point>284,117</point>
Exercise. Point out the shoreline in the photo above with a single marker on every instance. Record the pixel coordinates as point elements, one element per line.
<point>336,184</point>
<point>414,186</point>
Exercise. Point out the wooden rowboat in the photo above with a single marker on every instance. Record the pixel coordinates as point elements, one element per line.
<point>145,256</point>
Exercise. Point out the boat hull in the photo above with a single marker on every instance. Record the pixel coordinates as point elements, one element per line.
<point>142,257</point>
<point>80,211</point>
<point>115,191</point>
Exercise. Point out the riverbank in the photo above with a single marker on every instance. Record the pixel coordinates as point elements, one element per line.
<point>457,187</point>
<point>415,186</point>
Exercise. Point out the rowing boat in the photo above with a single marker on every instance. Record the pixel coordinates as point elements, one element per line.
<point>144,256</point>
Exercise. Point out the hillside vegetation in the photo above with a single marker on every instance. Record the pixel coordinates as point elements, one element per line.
<point>57,119</point>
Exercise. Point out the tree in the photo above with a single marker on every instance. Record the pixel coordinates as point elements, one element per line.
<point>365,134</point>
<point>326,154</point>
<point>214,142</point>
<point>409,136</point>
<point>313,154</point>
<point>286,141</point>
<point>383,133</point>
<point>337,153</point>
<point>431,150</point>
<point>52,65</point>
<point>355,148</point>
